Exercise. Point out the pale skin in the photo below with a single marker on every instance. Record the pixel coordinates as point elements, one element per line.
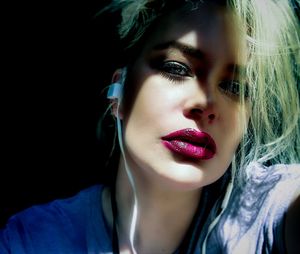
<point>169,186</point>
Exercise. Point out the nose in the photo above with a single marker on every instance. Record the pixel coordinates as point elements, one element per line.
<point>201,105</point>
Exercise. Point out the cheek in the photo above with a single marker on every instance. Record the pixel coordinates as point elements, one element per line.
<point>153,102</point>
<point>234,121</point>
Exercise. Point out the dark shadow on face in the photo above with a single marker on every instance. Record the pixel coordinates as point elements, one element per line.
<point>177,24</point>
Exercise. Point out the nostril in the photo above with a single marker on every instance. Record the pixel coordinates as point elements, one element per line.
<point>211,116</point>
<point>199,113</point>
<point>196,111</point>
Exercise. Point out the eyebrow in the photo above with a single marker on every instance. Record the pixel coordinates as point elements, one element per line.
<point>184,48</point>
<point>196,53</point>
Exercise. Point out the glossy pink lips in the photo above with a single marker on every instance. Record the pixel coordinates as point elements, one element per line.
<point>191,143</point>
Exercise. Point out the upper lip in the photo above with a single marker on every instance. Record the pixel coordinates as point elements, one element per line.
<point>194,136</point>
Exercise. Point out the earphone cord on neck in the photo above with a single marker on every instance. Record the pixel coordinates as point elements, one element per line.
<point>132,183</point>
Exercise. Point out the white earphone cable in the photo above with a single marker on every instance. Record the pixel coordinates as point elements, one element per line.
<point>128,171</point>
<point>131,180</point>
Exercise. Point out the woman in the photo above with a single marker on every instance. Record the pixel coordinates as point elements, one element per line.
<point>207,112</point>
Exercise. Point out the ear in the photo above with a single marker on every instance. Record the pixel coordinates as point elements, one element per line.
<point>117,76</point>
<point>116,105</point>
<point>115,108</point>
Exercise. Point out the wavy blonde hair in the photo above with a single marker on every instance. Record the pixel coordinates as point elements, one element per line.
<point>272,72</point>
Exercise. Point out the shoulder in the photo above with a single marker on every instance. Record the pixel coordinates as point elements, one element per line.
<point>271,188</point>
<point>268,191</point>
<point>285,170</point>
<point>280,180</point>
<point>253,221</point>
<point>42,227</point>
<point>268,195</point>
<point>58,211</point>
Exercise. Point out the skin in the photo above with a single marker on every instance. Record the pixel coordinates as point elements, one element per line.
<point>166,101</point>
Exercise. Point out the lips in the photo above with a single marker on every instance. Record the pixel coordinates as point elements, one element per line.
<point>190,143</point>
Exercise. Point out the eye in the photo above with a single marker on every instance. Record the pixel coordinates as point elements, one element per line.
<point>176,68</point>
<point>175,71</point>
<point>234,88</point>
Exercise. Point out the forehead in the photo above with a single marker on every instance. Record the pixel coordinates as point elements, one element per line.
<point>211,28</point>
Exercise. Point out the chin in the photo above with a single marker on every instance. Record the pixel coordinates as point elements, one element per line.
<point>186,178</point>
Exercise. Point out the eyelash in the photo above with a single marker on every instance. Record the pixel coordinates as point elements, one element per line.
<point>175,71</point>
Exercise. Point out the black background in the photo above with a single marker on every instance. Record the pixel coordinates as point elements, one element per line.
<point>57,59</point>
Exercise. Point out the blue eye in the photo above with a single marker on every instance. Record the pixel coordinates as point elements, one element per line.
<point>233,88</point>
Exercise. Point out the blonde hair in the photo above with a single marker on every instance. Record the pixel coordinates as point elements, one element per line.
<point>272,72</point>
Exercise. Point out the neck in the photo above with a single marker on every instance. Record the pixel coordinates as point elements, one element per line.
<point>159,229</point>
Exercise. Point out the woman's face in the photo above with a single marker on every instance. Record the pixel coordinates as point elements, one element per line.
<point>185,122</point>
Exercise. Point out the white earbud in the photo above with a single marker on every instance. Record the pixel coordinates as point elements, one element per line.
<point>115,90</point>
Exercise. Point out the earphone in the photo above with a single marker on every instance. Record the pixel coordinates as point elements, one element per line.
<point>115,92</point>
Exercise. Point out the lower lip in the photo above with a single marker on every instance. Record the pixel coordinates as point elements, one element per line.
<point>188,150</point>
